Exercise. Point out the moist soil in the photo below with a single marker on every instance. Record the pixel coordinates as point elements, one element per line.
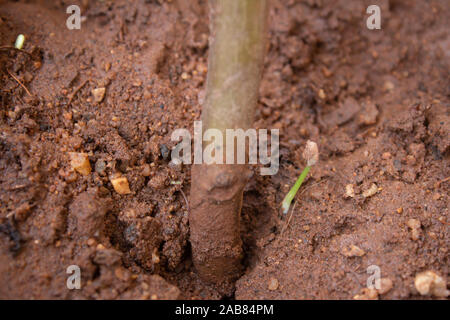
<point>375,101</point>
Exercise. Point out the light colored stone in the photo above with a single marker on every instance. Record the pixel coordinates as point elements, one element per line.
<point>349,191</point>
<point>414,224</point>
<point>353,251</point>
<point>322,94</point>
<point>99,94</point>
<point>120,184</point>
<point>273,284</point>
<point>386,155</point>
<point>79,161</point>
<point>155,256</point>
<point>430,283</point>
<point>388,86</point>
<point>386,285</point>
<point>367,294</point>
<point>371,191</point>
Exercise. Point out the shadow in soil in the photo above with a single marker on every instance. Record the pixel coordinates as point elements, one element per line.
<point>258,226</point>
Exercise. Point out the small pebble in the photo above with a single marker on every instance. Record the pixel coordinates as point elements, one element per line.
<point>388,86</point>
<point>414,224</point>
<point>430,283</point>
<point>386,285</point>
<point>322,94</point>
<point>386,155</point>
<point>367,294</point>
<point>432,235</point>
<point>146,170</point>
<point>79,161</point>
<point>99,94</point>
<point>100,167</point>
<point>165,152</point>
<point>349,191</point>
<point>273,284</point>
<point>371,191</point>
<point>155,256</point>
<point>353,251</point>
<point>120,184</point>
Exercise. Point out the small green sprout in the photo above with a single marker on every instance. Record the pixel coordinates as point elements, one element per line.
<point>19,41</point>
<point>311,155</point>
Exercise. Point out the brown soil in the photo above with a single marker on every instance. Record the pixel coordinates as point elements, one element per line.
<point>376,102</point>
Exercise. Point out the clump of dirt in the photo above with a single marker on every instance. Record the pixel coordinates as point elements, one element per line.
<point>376,102</point>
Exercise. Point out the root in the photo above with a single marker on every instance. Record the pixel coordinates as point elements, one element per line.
<point>20,83</point>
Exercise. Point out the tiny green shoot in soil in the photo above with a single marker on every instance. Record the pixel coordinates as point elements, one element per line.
<point>311,155</point>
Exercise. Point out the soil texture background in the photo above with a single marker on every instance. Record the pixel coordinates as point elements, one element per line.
<point>375,101</point>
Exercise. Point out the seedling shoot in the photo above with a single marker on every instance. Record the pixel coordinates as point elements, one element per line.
<point>311,155</point>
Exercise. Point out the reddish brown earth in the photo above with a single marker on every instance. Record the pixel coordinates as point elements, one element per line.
<point>376,102</point>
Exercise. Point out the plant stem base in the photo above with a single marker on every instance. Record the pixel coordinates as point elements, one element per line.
<point>214,219</point>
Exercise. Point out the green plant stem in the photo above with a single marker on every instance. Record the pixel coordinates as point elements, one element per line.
<point>291,194</point>
<point>236,54</point>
